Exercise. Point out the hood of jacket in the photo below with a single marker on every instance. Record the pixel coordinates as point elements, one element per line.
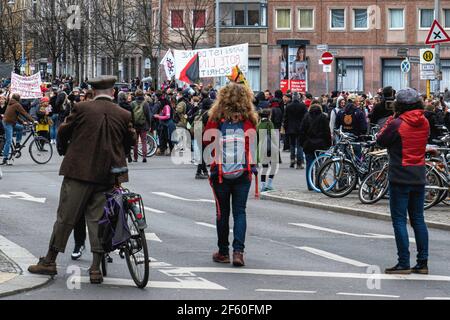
<point>415,118</point>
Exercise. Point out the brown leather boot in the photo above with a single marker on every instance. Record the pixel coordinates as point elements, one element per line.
<point>96,276</point>
<point>43,267</point>
<point>220,258</point>
<point>238,259</point>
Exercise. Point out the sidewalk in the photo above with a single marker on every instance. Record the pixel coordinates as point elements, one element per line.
<point>436,217</point>
<point>14,260</point>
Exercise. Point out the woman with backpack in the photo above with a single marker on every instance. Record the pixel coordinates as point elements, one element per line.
<point>231,127</point>
<point>141,121</point>
<point>315,135</point>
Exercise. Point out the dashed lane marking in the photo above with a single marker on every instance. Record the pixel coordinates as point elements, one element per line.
<point>209,225</point>
<point>22,196</point>
<point>367,295</point>
<point>332,256</point>
<point>152,237</point>
<point>154,210</point>
<point>285,291</point>
<point>171,196</point>
<point>329,230</point>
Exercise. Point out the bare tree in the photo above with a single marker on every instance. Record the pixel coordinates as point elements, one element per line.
<point>113,25</point>
<point>148,36</point>
<point>10,34</point>
<point>46,24</point>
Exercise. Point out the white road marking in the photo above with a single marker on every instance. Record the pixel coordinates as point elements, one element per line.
<point>318,274</point>
<point>159,264</point>
<point>285,291</point>
<point>366,295</point>
<point>154,210</point>
<point>152,237</point>
<point>437,298</point>
<point>367,235</point>
<point>209,225</point>
<point>197,283</point>
<point>333,256</point>
<point>171,196</point>
<point>22,196</point>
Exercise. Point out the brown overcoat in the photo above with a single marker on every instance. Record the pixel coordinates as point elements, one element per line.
<point>97,135</point>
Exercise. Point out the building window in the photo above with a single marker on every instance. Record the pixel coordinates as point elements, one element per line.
<point>426,18</point>
<point>350,75</point>
<point>445,68</point>
<point>396,19</point>
<point>243,14</point>
<point>306,19</point>
<point>283,19</point>
<point>254,74</point>
<point>177,19</point>
<point>199,19</point>
<point>104,68</point>
<point>447,18</point>
<point>360,19</point>
<point>337,17</point>
<point>393,75</point>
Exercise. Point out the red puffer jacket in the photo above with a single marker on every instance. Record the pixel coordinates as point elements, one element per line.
<point>406,139</point>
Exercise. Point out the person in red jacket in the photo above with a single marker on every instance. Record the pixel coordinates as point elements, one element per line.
<point>231,118</point>
<point>405,135</point>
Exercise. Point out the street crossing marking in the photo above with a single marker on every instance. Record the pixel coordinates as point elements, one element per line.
<point>22,196</point>
<point>171,196</point>
<point>437,298</point>
<point>334,257</point>
<point>318,274</point>
<point>152,237</point>
<point>368,235</point>
<point>209,225</point>
<point>367,295</point>
<point>285,291</point>
<point>154,210</point>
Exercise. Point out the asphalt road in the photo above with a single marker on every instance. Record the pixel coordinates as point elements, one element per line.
<point>291,252</point>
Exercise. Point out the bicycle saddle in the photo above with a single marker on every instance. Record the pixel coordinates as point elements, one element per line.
<point>119,170</point>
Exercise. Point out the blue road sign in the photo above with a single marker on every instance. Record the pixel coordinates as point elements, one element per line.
<point>405,66</point>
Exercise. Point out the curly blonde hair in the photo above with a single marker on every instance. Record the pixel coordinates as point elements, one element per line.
<point>234,101</point>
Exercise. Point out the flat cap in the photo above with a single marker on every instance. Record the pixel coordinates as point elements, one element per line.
<point>407,96</point>
<point>103,82</point>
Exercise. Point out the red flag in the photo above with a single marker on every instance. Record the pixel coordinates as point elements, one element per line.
<point>191,72</point>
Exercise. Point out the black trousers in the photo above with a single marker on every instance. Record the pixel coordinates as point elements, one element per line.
<point>79,232</point>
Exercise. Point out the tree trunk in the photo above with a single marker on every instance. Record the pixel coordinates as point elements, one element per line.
<point>154,72</point>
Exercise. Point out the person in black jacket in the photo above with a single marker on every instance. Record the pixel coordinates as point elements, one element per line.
<point>315,135</point>
<point>295,111</point>
<point>430,114</point>
<point>383,110</point>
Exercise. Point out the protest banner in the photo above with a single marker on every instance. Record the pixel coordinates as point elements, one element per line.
<point>215,62</point>
<point>26,87</point>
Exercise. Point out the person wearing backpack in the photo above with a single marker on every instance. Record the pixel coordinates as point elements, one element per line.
<point>141,122</point>
<point>314,135</point>
<point>231,130</point>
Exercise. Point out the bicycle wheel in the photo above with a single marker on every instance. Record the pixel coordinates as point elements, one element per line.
<point>41,150</point>
<point>337,178</point>
<point>314,170</point>
<point>151,146</point>
<point>432,195</point>
<point>136,253</point>
<point>373,187</point>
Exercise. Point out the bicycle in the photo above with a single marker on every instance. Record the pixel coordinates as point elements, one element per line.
<point>152,146</point>
<point>134,250</point>
<point>40,149</point>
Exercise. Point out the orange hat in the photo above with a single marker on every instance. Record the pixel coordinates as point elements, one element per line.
<point>45,99</point>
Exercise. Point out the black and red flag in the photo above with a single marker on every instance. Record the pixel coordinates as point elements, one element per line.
<point>191,72</point>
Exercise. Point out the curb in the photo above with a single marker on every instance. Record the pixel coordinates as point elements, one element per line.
<point>24,281</point>
<point>345,210</point>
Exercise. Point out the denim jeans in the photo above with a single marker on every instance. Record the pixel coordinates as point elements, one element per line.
<point>310,157</point>
<point>403,199</point>
<point>9,130</point>
<point>54,127</point>
<point>294,144</point>
<point>234,191</point>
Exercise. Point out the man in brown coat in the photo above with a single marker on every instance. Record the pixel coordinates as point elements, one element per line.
<point>10,119</point>
<point>94,138</point>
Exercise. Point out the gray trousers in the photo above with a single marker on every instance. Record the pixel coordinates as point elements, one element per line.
<point>79,198</point>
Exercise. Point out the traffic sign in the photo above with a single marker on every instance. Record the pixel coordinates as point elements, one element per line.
<point>405,66</point>
<point>327,58</point>
<point>326,68</point>
<point>437,34</point>
<point>427,56</point>
<point>322,47</point>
